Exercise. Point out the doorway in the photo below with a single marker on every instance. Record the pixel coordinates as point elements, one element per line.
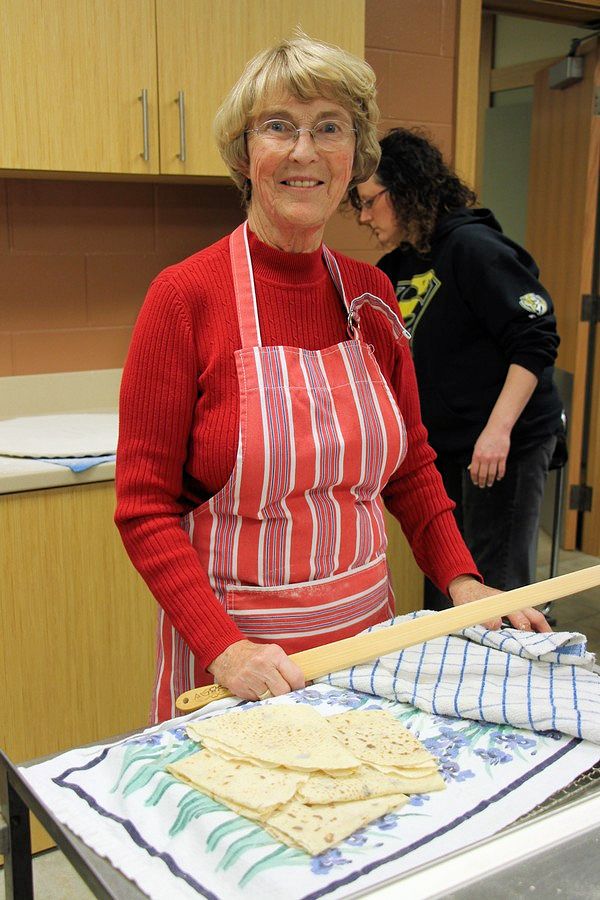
<point>537,168</point>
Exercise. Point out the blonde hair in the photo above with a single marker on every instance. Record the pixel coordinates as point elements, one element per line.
<point>306,69</point>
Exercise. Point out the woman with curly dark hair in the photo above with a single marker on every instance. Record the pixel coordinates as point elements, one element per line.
<point>484,342</point>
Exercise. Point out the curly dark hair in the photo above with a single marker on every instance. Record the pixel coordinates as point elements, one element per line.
<point>421,186</point>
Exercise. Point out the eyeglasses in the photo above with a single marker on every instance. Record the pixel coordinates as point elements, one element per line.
<point>327,135</point>
<point>362,205</point>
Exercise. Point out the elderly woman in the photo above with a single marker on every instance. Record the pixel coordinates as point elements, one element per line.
<point>261,424</point>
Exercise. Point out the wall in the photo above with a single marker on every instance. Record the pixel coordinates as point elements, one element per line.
<point>519,40</point>
<point>76,256</point>
<point>506,166</point>
<point>411,45</point>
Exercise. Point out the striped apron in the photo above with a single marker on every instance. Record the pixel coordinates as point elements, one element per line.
<point>294,543</point>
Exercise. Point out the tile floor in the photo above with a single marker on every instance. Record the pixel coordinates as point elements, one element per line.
<point>55,878</point>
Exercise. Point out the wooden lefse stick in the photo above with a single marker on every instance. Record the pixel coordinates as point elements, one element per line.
<point>363,648</point>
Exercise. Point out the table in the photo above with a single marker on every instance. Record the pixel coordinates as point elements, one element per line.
<point>558,839</point>
<point>17,801</point>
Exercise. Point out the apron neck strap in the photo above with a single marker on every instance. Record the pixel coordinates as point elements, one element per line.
<point>376,303</point>
<point>243,282</point>
<point>354,306</point>
<point>336,275</point>
<point>245,294</point>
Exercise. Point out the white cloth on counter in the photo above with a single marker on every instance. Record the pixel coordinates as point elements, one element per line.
<point>61,435</point>
<point>543,682</point>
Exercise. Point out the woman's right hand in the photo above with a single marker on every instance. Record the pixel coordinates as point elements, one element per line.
<point>248,670</point>
<point>465,589</point>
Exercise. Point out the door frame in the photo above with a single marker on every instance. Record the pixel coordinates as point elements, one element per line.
<point>469,80</point>
<point>475,80</point>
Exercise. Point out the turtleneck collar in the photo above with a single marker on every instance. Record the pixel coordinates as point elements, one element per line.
<point>278,267</point>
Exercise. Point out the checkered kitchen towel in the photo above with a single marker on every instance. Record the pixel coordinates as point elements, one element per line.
<point>541,682</point>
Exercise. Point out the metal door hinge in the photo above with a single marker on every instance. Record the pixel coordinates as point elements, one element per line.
<point>596,104</point>
<point>590,308</point>
<point>580,497</point>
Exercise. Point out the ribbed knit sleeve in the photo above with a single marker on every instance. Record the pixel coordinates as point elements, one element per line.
<point>157,403</point>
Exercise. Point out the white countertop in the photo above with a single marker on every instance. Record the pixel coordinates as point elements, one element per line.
<point>61,392</point>
<point>18,475</point>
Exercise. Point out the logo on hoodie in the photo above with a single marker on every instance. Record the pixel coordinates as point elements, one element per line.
<point>415,295</point>
<point>533,304</point>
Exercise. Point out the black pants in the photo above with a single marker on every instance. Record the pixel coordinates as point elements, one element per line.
<point>499,524</point>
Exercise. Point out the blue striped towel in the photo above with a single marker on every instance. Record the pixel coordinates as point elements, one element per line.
<point>543,682</point>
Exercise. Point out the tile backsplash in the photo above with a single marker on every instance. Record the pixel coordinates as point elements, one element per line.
<point>76,258</point>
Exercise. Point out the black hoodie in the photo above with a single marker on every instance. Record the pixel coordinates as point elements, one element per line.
<point>474,306</point>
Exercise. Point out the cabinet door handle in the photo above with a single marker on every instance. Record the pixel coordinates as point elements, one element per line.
<point>145,154</point>
<point>181,102</point>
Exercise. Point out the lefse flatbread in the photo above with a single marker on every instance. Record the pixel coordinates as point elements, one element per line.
<point>296,737</point>
<point>317,828</point>
<point>377,738</point>
<point>309,780</point>
<point>366,784</point>
<point>253,787</point>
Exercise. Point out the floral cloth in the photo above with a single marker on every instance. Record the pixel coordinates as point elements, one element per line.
<point>175,842</point>
<point>524,679</point>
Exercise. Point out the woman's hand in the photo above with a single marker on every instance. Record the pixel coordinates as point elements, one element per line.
<point>466,588</point>
<point>488,463</point>
<point>248,670</point>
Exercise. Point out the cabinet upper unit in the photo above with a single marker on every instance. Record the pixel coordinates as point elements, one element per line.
<point>106,86</point>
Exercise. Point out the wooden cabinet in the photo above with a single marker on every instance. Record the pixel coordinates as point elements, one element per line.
<point>78,624</point>
<point>73,73</point>
<point>202,49</point>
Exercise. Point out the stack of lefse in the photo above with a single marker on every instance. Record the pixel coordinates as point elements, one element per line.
<point>309,780</point>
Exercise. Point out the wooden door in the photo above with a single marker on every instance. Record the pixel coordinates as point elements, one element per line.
<point>202,49</point>
<point>71,74</point>
<point>561,217</point>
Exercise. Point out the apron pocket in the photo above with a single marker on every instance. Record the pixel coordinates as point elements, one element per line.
<point>310,613</point>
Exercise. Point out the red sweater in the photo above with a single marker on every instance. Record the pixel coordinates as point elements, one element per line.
<point>178,426</point>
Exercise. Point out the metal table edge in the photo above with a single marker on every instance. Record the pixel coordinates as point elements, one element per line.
<point>95,870</point>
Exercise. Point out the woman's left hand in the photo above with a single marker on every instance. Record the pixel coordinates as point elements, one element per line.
<point>488,463</point>
<point>465,588</point>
